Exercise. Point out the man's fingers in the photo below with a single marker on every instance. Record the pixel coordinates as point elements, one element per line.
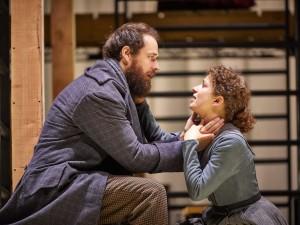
<point>210,124</point>
<point>218,128</point>
<point>213,126</point>
<point>202,122</point>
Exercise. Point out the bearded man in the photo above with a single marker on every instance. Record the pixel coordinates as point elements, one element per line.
<point>93,141</point>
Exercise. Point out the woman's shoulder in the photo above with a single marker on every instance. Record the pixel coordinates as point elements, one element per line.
<point>231,134</point>
<point>231,141</point>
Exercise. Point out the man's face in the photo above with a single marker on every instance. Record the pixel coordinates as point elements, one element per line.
<point>143,68</point>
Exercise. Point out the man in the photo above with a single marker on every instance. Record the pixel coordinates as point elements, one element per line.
<point>92,142</point>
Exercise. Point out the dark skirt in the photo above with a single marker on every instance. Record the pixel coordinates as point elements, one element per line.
<point>262,212</point>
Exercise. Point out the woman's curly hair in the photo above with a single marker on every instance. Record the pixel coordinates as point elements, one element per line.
<point>228,83</point>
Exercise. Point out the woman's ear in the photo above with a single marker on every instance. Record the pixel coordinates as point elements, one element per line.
<point>219,100</point>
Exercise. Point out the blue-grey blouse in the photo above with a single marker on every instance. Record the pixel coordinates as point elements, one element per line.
<point>224,172</point>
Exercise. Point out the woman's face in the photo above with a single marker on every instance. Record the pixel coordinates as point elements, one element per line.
<point>203,99</point>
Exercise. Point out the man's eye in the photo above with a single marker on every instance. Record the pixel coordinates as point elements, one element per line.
<point>152,57</point>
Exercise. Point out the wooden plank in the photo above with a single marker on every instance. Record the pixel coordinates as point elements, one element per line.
<point>193,210</point>
<point>63,44</point>
<point>27,60</point>
<point>206,18</point>
<point>91,31</point>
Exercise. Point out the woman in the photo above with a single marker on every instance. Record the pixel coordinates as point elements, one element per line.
<point>225,172</point>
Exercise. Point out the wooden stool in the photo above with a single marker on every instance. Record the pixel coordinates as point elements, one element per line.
<point>193,211</point>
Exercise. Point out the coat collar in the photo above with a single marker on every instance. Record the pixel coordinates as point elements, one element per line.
<point>105,70</point>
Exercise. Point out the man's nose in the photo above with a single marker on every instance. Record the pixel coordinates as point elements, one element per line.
<point>156,67</point>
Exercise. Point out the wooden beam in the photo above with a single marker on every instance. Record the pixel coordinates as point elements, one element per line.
<point>27,60</point>
<point>63,44</point>
<point>91,31</point>
<point>217,18</point>
<point>190,211</point>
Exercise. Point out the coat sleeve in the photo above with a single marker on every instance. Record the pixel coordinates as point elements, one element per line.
<point>151,128</point>
<point>102,116</point>
<point>227,159</point>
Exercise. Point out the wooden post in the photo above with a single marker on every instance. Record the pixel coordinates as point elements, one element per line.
<point>27,67</point>
<point>62,43</point>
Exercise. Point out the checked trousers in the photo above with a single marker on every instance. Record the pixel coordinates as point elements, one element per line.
<point>135,201</point>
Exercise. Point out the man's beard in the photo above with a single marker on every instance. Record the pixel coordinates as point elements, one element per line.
<point>139,85</point>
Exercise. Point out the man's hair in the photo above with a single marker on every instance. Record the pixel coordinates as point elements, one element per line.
<point>129,34</point>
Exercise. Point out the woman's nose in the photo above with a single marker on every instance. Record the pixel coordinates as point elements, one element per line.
<point>195,89</point>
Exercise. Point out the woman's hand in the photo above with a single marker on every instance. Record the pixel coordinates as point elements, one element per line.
<point>204,134</point>
<point>213,126</point>
<point>191,121</point>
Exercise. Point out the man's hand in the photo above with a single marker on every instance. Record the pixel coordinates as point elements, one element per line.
<point>213,126</point>
<point>204,134</point>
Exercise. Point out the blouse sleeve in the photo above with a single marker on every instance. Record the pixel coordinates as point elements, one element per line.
<point>228,157</point>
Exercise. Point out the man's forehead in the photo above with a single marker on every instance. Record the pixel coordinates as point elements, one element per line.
<point>152,53</point>
<point>149,51</point>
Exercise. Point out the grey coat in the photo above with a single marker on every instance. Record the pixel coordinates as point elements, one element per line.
<point>91,130</point>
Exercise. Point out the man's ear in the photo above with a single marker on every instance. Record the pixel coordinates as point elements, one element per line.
<point>218,100</point>
<point>125,55</point>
